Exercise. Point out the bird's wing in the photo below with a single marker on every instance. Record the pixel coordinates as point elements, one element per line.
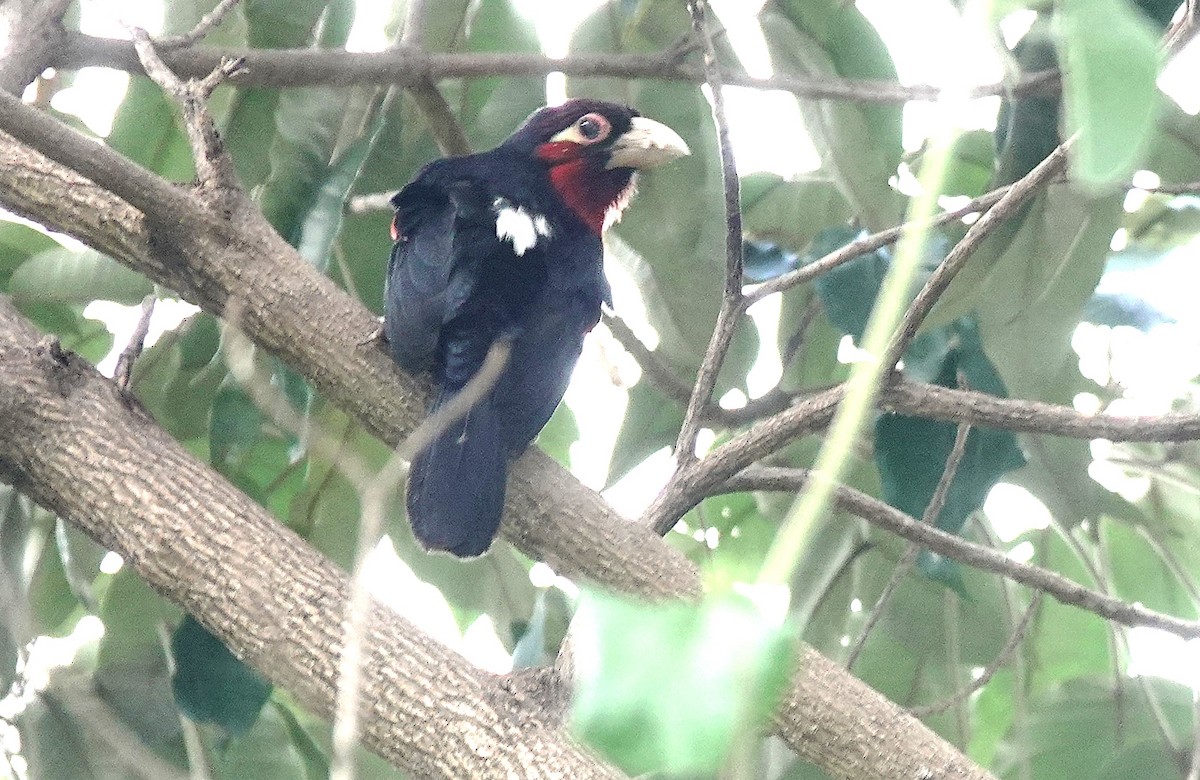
<point>430,274</point>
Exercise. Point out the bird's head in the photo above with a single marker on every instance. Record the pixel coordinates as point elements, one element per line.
<point>592,149</point>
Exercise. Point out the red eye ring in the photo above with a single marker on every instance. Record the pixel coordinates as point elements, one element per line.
<point>593,127</point>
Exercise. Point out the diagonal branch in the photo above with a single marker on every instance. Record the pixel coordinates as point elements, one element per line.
<point>890,519</point>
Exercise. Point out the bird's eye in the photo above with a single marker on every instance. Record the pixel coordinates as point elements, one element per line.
<point>593,127</point>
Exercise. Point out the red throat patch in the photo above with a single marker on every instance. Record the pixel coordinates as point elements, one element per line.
<point>592,194</point>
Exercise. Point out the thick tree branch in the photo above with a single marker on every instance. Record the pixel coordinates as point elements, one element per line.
<point>33,38</point>
<point>74,445</point>
<point>320,331</point>
<point>314,67</point>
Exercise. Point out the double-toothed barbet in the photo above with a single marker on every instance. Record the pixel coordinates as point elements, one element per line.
<point>505,244</point>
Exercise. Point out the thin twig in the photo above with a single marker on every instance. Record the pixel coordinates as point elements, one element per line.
<point>374,499</point>
<point>866,244</point>
<point>1008,205</point>
<point>731,301</point>
<point>214,166</point>
<point>894,521</point>
<point>653,366</point>
<point>123,373</point>
<point>904,566</point>
<point>313,67</point>
<point>1014,641</point>
<point>443,125</point>
<point>206,25</point>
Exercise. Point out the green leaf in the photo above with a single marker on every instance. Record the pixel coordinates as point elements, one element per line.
<point>859,146</point>
<point>669,687</point>
<point>179,376</point>
<point>912,452</point>
<point>52,742</point>
<point>1027,126</point>
<point>18,243</point>
<point>61,275</point>
<point>790,213</point>
<point>493,108</point>
<point>1111,59</point>
<point>88,338</point>
<point>210,684</point>
<point>559,433</point>
<point>1077,731</point>
<point>131,664</point>
<point>1028,288</point>
<point>266,752</point>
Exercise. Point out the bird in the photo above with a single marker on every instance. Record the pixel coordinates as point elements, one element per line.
<point>504,246</point>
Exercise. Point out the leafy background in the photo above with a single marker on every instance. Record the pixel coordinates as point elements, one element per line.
<point>1085,264</point>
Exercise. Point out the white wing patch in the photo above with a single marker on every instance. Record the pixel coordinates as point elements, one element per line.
<point>519,226</point>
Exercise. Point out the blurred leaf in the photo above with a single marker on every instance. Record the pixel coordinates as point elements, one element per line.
<point>651,422</point>
<point>790,214</point>
<point>765,261</point>
<point>308,123</point>
<point>1162,223</point>
<point>1174,148</point>
<point>1028,288</point>
<point>61,275</point>
<point>848,292</point>
<point>1114,309</point>
<point>540,638</point>
<point>1139,575</point>
<point>972,164</point>
<point>147,129</point>
<point>131,665</point>
<point>18,243</point>
<point>911,452</point>
<point>1077,732</point>
<point>669,687</point>
<point>53,606</point>
<point>52,742</point>
<point>177,378</point>
<point>265,752</point>
<point>493,108</point>
<point>1027,126</point>
<point>859,145</point>
<point>210,684</point>
<point>557,436</point>
<point>1111,59</point>
<point>86,337</point>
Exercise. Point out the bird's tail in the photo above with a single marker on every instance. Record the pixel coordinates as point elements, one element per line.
<point>456,484</point>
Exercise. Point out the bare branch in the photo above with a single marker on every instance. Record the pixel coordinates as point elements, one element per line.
<point>904,566</point>
<point>133,350</point>
<point>1014,641</point>
<point>214,166</point>
<point>731,301</point>
<point>313,67</point>
<point>207,24</point>
<point>890,519</point>
<point>863,245</point>
<point>1008,205</point>
<point>33,39</point>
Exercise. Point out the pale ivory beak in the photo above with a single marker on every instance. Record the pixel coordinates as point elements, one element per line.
<point>646,144</point>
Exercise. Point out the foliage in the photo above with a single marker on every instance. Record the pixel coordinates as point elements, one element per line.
<point>1063,708</point>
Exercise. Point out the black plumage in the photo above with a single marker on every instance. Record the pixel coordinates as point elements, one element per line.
<point>505,244</point>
